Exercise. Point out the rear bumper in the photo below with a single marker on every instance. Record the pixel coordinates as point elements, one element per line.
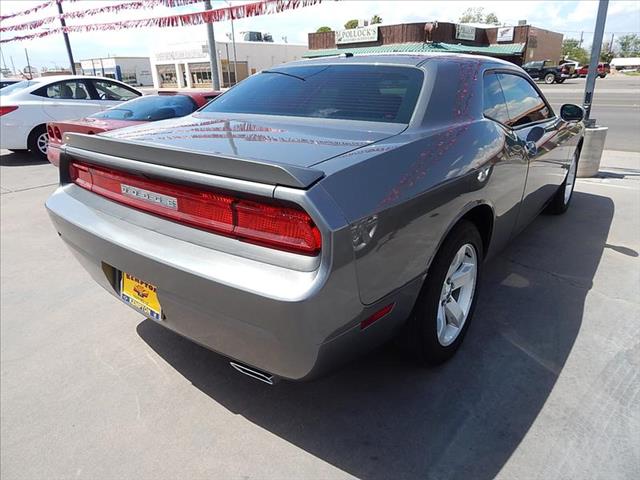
<point>293,324</point>
<point>13,135</point>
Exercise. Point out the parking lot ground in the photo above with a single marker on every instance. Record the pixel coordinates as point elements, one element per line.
<point>546,385</point>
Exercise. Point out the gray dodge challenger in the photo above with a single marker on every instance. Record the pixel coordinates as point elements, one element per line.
<point>320,208</point>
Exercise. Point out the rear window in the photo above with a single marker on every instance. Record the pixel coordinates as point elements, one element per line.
<point>16,87</point>
<point>152,107</point>
<point>347,92</point>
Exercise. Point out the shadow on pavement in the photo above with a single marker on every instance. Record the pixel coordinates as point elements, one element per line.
<point>382,417</point>
<point>20,159</point>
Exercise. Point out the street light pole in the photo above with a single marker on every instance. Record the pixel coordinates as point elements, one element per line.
<point>66,38</point>
<point>213,62</point>
<point>233,40</point>
<point>595,57</point>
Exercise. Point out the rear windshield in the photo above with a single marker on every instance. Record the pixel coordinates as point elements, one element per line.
<point>16,87</point>
<point>151,107</point>
<point>348,92</point>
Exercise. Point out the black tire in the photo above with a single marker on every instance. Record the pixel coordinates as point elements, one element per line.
<point>32,141</point>
<point>420,335</point>
<point>602,75</point>
<point>549,78</point>
<point>559,204</point>
<point>18,150</point>
<point>561,80</point>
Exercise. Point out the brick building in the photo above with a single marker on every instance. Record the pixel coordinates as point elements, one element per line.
<point>518,44</point>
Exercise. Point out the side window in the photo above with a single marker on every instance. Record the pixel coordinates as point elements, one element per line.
<point>112,91</point>
<point>69,90</point>
<point>524,105</point>
<point>494,103</point>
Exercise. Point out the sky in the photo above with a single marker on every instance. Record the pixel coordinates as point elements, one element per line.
<point>565,16</point>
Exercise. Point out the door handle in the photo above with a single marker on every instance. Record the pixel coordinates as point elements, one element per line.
<point>531,148</point>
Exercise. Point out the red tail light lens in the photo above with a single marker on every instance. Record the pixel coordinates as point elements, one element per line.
<point>7,109</point>
<point>57,133</point>
<point>268,224</point>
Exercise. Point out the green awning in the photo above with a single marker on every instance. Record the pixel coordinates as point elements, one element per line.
<point>504,49</point>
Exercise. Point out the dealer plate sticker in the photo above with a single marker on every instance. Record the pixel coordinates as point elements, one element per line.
<point>140,295</point>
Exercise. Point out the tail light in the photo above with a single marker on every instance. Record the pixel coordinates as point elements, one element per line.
<point>57,133</point>
<point>7,109</point>
<point>270,224</point>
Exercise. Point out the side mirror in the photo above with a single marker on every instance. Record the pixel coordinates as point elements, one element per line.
<point>571,113</point>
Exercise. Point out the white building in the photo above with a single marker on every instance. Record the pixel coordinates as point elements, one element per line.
<point>186,64</point>
<point>626,63</point>
<point>132,70</point>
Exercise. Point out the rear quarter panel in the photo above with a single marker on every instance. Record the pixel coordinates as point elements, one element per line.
<point>414,192</point>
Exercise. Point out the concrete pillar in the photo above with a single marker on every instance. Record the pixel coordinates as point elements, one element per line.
<point>591,153</point>
<point>188,75</point>
<point>179,75</point>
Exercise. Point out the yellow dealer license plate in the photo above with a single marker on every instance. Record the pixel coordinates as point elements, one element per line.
<point>141,296</point>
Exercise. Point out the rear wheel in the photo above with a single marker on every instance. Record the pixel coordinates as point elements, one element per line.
<point>38,141</point>
<point>444,308</point>
<point>549,78</point>
<point>560,80</point>
<point>561,200</point>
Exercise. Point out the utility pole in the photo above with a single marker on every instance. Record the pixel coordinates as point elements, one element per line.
<point>213,62</point>
<point>611,44</point>
<point>66,38</point>
<point>581,35</point>
<point>595,56</point>
<point>26,54</point>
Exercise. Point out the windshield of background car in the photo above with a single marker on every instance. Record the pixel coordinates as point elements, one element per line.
<point>151,107</point>
<point>16,87</point>
<point>347,92</point>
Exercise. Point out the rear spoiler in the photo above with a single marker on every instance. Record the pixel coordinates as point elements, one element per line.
<point>78,144</point>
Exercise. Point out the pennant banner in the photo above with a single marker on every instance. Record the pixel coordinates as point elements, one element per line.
<point>29,10</point>
<point>137,5</point>
<point>264,7</point>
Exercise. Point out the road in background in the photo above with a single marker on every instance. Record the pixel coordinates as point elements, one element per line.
<point>616,104</point>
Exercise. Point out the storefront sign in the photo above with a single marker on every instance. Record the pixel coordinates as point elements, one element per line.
<point>357,35</point>
<point>465,32</point>
<point>505,34</point>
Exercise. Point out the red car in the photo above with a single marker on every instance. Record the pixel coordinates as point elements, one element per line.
<point>148,108</point>
<point>603,70</point>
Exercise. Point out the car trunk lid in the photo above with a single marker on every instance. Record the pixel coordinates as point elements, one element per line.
<point>274,150</point>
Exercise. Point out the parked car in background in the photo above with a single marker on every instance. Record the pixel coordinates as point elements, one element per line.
<point>149,108</point>
<point>548,71</point>
<point>5,82</point>
<point>27,106</point>
<point>319,208</point>
<point>603,70</point>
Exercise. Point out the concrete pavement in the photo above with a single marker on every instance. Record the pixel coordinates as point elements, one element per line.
<point>547,384</point>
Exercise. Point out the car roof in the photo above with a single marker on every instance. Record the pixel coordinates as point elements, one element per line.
<point>57,78</point>
<point>410,59</point>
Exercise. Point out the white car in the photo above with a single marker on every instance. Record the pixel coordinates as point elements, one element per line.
<point>27,106</point>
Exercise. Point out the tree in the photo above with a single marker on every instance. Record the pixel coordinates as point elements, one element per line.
<point>351,24</point>
<point>629,45</point>
<point>492,18</point>
<point>476,15</point>
<point>606,53</point>
<point>571,49</point>
<point>323,29</point>
<point>376,19</point>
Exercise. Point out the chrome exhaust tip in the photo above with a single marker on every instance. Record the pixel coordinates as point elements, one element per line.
<point>253,373</point>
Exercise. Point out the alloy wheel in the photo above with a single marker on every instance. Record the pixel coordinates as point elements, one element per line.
<point>456,296</point>
<point>42,142</point>
<point>571,180</point>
